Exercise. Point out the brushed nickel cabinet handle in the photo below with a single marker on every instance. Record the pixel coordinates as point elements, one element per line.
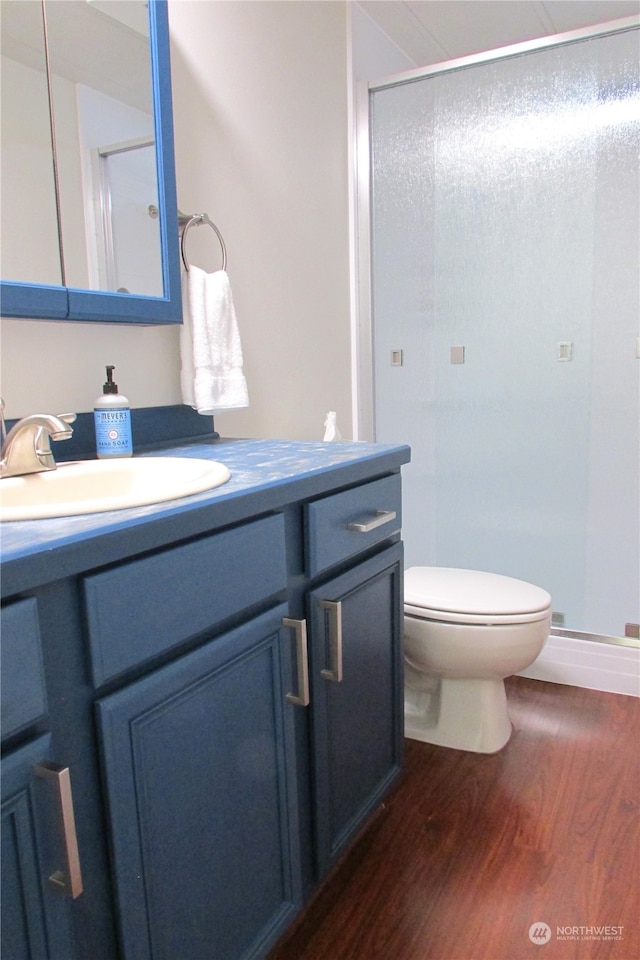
<point>382,516</point>
<point>301,698</point>
<point>334,611</point>
<point>69,880</point>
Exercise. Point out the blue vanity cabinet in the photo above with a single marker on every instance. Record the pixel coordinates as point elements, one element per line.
<point>162,661</point>
<point>35,917</point>
<point>197,753</point>
<point>351,599</point>
<point>200,777</point>
<point>55,879</point>
<point>356,698</point>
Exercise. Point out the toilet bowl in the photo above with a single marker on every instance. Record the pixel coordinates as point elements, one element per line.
<point>464,632</point>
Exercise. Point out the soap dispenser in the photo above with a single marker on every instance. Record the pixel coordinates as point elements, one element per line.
<point>112,421</point>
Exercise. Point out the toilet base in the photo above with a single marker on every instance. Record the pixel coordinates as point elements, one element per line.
<point>461,713</point>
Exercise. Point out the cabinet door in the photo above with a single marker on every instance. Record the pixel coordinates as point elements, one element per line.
<point>199,764</point>
<point>356,700</point>
<point>35,919</point>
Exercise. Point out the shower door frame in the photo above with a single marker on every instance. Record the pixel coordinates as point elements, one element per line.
<point>363,326</point>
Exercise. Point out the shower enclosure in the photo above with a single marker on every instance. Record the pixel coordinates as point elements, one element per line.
<point>505,223</point>
<point>129,241</point>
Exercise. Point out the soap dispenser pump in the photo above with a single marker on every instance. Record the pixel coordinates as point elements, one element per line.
<point>112,421</point>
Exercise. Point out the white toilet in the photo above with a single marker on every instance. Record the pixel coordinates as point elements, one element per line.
<point>464,632</point>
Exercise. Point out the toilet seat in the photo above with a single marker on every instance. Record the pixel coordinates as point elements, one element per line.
<point>454,595</point>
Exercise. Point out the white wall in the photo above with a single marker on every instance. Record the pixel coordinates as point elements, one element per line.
<point>261,145</point>
<point>260,111</point>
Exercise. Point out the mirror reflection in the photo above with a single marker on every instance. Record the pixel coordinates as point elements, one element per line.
<point>102,104</point>
<point>29,222</point>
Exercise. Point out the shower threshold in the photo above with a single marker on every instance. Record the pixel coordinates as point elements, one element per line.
<point>595,637</point>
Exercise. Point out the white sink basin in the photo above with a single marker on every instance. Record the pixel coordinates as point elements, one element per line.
<point>93,486</point>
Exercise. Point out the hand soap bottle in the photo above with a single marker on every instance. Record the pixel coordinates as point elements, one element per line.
<point>112,420</point>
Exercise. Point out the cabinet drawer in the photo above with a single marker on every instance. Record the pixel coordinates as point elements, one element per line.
<point>147,606</point>
<point>24,697</point>
<point>342,525</point>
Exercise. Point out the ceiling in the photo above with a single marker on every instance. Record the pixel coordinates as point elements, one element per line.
<point>431,31</point>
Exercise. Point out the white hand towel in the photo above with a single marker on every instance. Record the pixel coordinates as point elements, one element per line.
<point>211,375</point>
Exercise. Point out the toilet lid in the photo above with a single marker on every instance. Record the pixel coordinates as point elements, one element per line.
<point>450,593</point>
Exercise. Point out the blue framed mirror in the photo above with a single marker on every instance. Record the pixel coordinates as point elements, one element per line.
<point>89,216</point>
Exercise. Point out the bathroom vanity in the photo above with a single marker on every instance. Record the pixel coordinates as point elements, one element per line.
<point>155,660</point>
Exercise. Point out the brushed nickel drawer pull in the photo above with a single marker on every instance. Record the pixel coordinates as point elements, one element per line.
<point>69,881</point>
<point>301,698</point>
<point>334,609</point>
<point>381,517</point>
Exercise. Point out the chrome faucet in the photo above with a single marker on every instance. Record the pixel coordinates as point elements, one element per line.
<point>25,448</point>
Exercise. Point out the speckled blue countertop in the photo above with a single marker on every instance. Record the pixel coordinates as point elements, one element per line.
<point>262,468</point>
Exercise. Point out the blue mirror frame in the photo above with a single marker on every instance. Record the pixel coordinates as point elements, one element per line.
<point>39,301</point>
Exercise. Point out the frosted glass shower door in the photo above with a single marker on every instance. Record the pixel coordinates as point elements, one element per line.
<point>505,223</point>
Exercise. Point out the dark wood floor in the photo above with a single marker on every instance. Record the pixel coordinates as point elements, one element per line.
<point>471,850</point>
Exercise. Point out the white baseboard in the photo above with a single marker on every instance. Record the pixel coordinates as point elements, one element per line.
<point>589,664</point>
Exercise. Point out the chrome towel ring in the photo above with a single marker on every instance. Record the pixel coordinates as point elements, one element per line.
<point>186,222</point>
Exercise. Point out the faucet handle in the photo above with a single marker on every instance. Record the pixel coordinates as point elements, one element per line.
<point>67,417</point>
